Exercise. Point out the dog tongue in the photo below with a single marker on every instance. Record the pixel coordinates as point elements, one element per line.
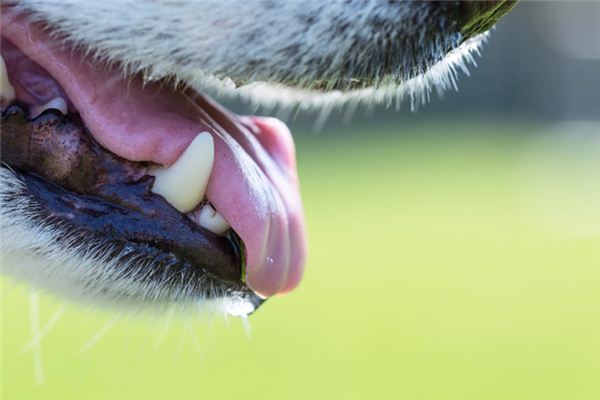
<point>253,184</point>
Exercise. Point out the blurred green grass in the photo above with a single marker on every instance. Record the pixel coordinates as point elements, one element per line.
<point>446,262</point>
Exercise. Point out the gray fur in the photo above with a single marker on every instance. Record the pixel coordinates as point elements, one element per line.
<point>324,48</point>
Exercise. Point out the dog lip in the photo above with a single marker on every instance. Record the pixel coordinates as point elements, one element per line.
<point>91,189</point>
<point>254,183</point>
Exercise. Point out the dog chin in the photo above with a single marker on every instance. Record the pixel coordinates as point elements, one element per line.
<point>48,256</point>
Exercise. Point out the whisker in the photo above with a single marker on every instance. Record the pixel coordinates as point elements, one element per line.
<point>162,334</point>
<point>190,328</point>
<point>37,339</point>
<point>179,347</point>
<point>247,326</point>
<point>99,335</point>
<point>34,319</point>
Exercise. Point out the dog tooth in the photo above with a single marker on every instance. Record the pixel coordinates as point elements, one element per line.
<point>57,103</point>
<point>184,183</point>
<point>7,92</point>
<point>212,220</point>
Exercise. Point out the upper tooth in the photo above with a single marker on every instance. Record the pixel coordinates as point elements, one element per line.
<point>7,92</point>
<point>183,184</point>
<point>212,220</point>
<point>57,103</point>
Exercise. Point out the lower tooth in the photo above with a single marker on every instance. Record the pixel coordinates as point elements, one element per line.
<point>7,92</point>
<point>58,103</point>
<point>212,220</point>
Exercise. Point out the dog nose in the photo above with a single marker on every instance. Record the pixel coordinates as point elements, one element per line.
<point>474,17</point>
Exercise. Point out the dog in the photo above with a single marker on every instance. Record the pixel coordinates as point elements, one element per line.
<point>124,183</point>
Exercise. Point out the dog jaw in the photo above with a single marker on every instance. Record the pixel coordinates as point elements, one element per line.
<point>85,271</point>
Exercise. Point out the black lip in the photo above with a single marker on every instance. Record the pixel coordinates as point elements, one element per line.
<point>256,301</point>
<point>102,196</point>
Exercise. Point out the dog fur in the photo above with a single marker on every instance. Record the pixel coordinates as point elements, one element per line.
<point>309,53</point>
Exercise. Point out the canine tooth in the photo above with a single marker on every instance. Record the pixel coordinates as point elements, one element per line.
<point>57,103</point>
<point>212,220</point>
<point>183,184</point>
<point>7,92</point>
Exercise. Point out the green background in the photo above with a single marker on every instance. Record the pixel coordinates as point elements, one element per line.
<point>447,261</point>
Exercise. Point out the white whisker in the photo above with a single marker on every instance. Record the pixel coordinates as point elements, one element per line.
<point>247,327</point>
<point>162,334</point>
<point>99,335</point>
<point>179,347</point>
<point>36,339</point>
<point>34,319</point>
<point>195,341</point>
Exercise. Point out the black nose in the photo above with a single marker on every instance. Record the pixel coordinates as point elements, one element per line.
<point>474,17</point>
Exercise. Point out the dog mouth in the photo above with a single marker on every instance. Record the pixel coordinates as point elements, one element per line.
<point>162,170</point>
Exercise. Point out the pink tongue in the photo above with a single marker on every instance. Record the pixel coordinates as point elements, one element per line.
<point>254,182</point>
